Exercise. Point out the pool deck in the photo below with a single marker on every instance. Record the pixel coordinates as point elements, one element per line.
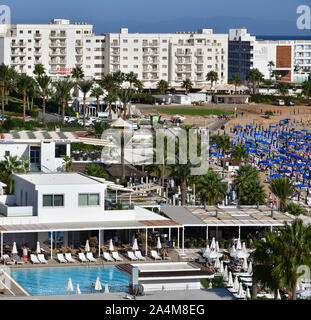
<point>204,294</point>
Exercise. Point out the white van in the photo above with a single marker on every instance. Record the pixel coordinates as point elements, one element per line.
<point>279,102</point>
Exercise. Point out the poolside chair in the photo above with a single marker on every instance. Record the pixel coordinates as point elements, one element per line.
<point>41,258</point>
<point>108,257</point>
<point>18,260</point>
<point>89,256</point>
<point>60,258</point>
<point>82,257</point>
<point>130,254</point>
<point>34,259</point>
<point>155,255</point>
<point>139,256</point>
<point>69,258</point>
<point>115,256</point>
<point>7,259</point>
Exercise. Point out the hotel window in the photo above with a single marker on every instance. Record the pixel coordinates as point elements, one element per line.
<point>135,41</point>
<point>88,199</point>
<point>125,49</point>
<point>135,49</point>
<point>53,200</point>
<point>78,32</point>
<point>136,66</point>
<point>124,58</point>
<point>124,41</point>
<point>125,66</point>
<point>60,150</point>
<point>164,41</point>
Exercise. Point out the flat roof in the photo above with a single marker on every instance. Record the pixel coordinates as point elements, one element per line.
<point>64,178</point>
<point>38,136</point>
<point>182,215</point>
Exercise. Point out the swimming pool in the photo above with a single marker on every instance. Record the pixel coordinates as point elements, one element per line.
<point>52,281</point>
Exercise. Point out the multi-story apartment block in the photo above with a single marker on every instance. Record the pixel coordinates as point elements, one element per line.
<point>292,58</point>
<point>61,46</point>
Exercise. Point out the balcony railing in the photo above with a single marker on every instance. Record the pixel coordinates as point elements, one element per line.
<point>58,35</point>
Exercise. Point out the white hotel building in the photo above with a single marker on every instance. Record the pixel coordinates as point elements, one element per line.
<point>61,46</point>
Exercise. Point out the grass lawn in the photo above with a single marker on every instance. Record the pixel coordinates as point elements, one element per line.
<point>194,112</point>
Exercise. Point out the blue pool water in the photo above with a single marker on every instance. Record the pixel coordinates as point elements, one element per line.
<point>51,281</point>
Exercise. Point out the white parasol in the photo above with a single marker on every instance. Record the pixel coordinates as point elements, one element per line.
<point>244,247</point>
<point>240,254</point>
<point>98,285</point>
<point>38,250</point>
<point>245,266</point>
<point>221,269</point>
<point>206,252</point>
<point>217,247</point>
<point>217,263</point>
<point>159,246</point>
<point>69,285</point>
<point>250,268</point>
<point>87,246</point>
<point>236,284</point>
<point>230,281</point>
<point>213,244</point>
<point>14,249</point>
<point>135,245</point>
<point>106,288</point>
<point>238,245</point>
<point>78,291</point>
<point>111,247</point>
<point>226,275</point>
<point>278,295</point>
<point>241,293</point>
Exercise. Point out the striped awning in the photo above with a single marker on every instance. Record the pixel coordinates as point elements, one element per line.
<point>38,135</point>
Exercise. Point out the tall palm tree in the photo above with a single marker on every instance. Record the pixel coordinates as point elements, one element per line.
<point>244,175</point>
<point>138,85</point>
<point>211,188</point>
<point>162,86</point>
<point>270,66</point>
<point>110,99</point>
<point>108,82</point>
<point>4,77</point>
<point>187,84</point>
<point>275,74</point>
<point>236,80</point>
<point>85,86</point>
<point>44,83</point>
<point>131,78</point>
<point>63,88</point>
<point>239,153</point>
<point>39,69</point>
<point>119,77</point>
<point>256,77</point>
<point>77,74</point>
<point>33,92</point>
<point>282,88</point>
<point>282,188</point>
<point>306,89</point>
<point>212,76</point>
<point>125,96</point>
<point>10,84</point>
<point>11,165</point>
<point>97,92</point>
<point>223,143</point>
<point>23,84</point>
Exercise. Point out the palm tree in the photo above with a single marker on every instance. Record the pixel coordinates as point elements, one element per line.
<point>97,92</point>
<point>211,188</point>
<point>138,85</point>
<point>270,66</point>
<point>212,76</point>
<point>33,92</point>
<point>239,153</point>
<point>125,96</point>
<point>236,80</point>
<point>39,70</point>
<point>187,84</point>
<point>275,74</point>
<point>108,82</point>
<point>23,84</point>
<point>131,78</point>
<point>256,77</point>
<point>295,209</point>
<point>10,84</point>
<point>282,88</point>
<point>77,74</point>
<point>282,188</point>
<point>306,89</point>
<point>63,88</point>
<point>4,77</point>
<point>68,164</point>
<point>96,170</point>
<point>119,77</point>
<point>268,83</point>
<point>11,165</point>
<point>85,86</point>
<point>110,99</point>
<point>44,83</point>
<point>244,175</point>
<point>162,86</point>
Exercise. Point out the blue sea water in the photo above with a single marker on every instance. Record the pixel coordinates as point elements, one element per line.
<point>53,281</point>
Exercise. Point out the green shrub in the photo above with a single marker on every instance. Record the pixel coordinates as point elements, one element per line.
<point>33,113</point>
<point>143,98</point>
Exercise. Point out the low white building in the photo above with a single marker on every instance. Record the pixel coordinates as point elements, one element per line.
<point>45,150</point>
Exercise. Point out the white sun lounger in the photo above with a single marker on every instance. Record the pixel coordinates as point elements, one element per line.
<point>34,259</point>
<point>82,258</point>
<point>60,258</point>
<point>18,259</point>
<point>130,254</point>
<point>155,255</point>
<point>7,259</point>
<point>89,256</point>
<point>108,257</point>
<point>115,256</point>
<point>139,256</point>
<point>41,258</point>
<point>69,258</point>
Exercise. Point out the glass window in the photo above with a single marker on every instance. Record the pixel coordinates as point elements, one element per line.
<point>93,199</point>
<point>83,199</point>
<point>60,150</point>
<point>58,200</point>
<point>47,200</point>
<point>89,199</point>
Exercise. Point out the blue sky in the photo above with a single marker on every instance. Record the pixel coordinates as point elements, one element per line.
<point>261,17</point>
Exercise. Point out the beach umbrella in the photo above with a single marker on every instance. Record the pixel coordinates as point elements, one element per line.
<point>217,263</point>
<point>217,246</point>
<point>244,247</point>
<point>236,284</point>
<point>78,291</point>
<point>230,281</point>
<point>240,254</point>
<point>206,252</point>
<point>213,244</point>
<point>226,275</point>
<point>69,285</point>
<point>14,249</point>
<point>111,247</point>
<point>106,288</point>
<point>248,294</point>
<point>221,269</point>
<point>241,293</point>
<point>238,245</point>
<point>245,266</point>
<point>159,246</point>
<point>278,295</point>
<point>250,268</point>
<point>233,252</point>
<point>87,246</point>
<point>38,250</point>
<point>98,285</point>
<point>135,245</point>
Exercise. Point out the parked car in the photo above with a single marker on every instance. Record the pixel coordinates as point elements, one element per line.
<point>279,102</point>
<point>290,103</point>
<point>70,119</point>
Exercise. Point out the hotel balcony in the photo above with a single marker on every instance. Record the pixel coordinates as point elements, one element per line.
<point>58,62</point>
<point>58,53</point>
<point>199,54</point>
<point>115,44</point>
<point>115,62</point>
<point>183,53</point>
<point>37,45</point>
<point>53,71</point>
<point>78,44</point>
<point>183,62</point>
<point>58,35</point>
<point>37,35</point>
<point>150,61</point>
<point>152,70</point>
<point>18,63</point>
<point>37,53</point>
<point>150,44</point>
<point>58,44</point>
<point>18,45</point>
<point>115,53</point>
<point>150,53</point>
<point>9,208</point>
